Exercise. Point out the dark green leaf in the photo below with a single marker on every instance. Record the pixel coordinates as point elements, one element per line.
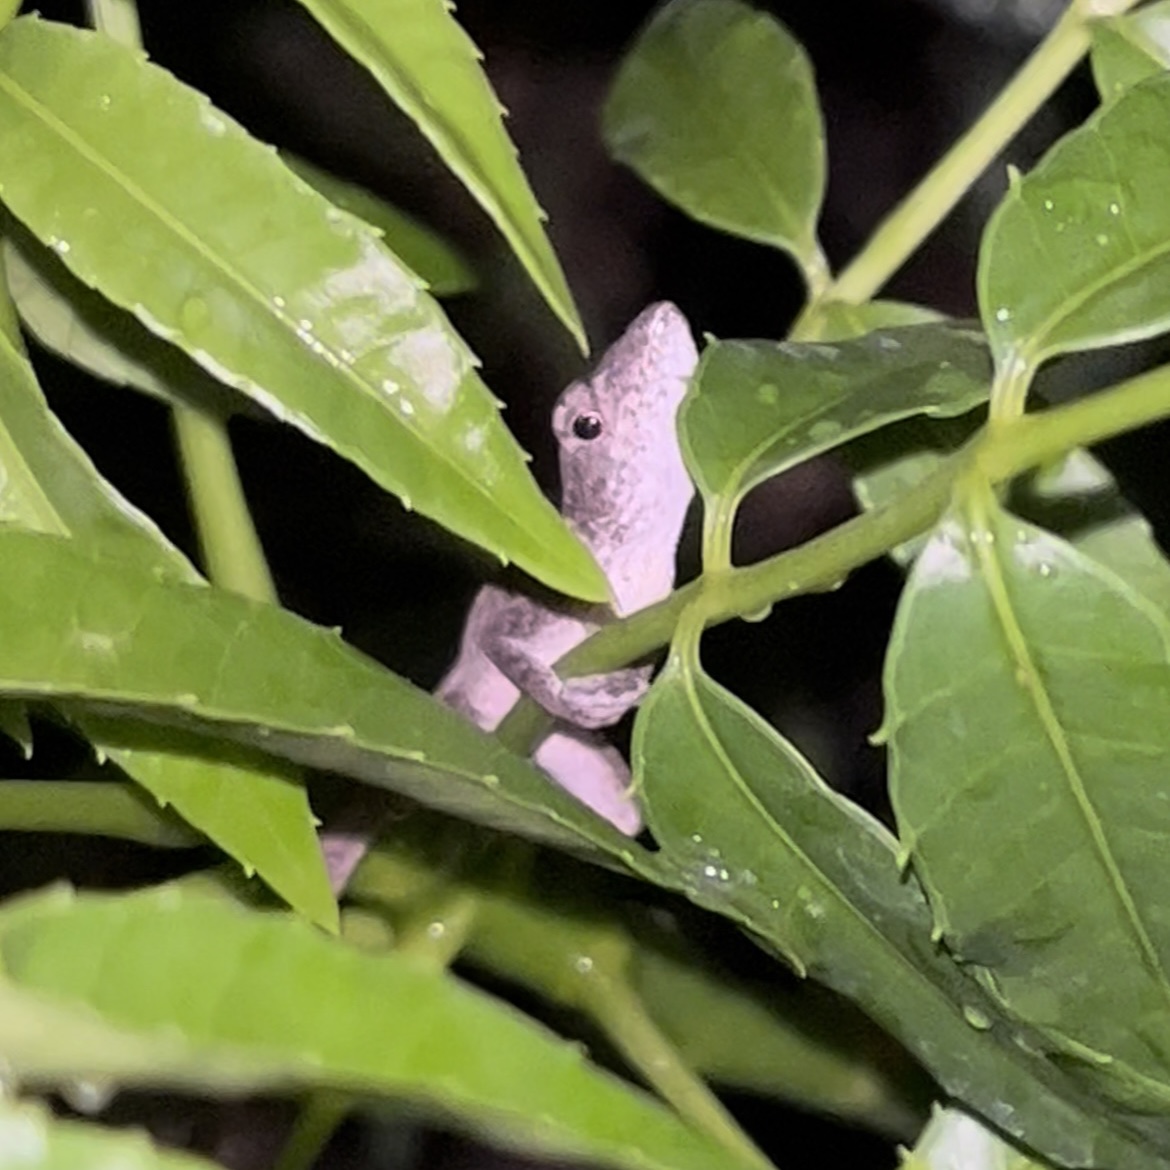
<point>427,65</point>
<point>177,988</point>
<point>76,626</point>
<point>1094,220</point>
<point>1027,694</point>
<point>757,408</point>
<point>754,834</point>
<point>716,108</point>
<point>177,215</point>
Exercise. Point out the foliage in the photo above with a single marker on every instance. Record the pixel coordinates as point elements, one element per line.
<point>1010,935</point>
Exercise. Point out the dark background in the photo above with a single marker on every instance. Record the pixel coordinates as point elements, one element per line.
<point>899,80</point>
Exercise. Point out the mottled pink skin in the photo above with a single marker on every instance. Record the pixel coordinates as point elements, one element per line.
<point>625,492</point>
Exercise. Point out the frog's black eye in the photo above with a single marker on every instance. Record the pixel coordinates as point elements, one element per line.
<point>587,426</point>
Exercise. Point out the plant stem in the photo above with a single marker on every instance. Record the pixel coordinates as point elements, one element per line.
<point>118,19</point>
<point>920,212</point>
<point>231,548</point>
<point>620,1012</point>
<point>998,452</point>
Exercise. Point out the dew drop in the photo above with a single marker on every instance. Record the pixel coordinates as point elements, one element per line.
<point>583,965</point>
<point>436,930</point>
<point>976,1018</point>
<point>1102,239</point>
<point>105,101</point>
<point>194,313</point>
<point>768,394</point>
<point>1049,205</point>
<point>1114,208</point>
<point>1003,314</point>
<point>278,302</point>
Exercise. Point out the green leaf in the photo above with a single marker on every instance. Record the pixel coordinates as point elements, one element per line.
<point>99,808</point>
<point>1128,49</point>
<point>180,217</point>
<point>1027,691</point>
<point>757,408</point>
<point>838,321</point>
<point>429,67</point>
<point>807,1046</point>
<point>1093,218</point>
<point>256,813</point>
<point>76,626</point>
<point>176,988</point>
<point>754,834</point>
<point>31,1138</point>
<point>895,460</point>
<point>426,253</point>
<point>1080,501</point>
<point>83,327</point>
<point>716,108</point>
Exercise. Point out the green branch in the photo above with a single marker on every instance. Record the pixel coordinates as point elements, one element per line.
<point>920,212</point>
<point>997,452</point>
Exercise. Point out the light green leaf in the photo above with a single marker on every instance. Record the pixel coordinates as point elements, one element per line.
<point>256,813</point>
<point>177,988</point>
<point>754,834</point>
<point>716,108</point>
<point>426,253</point>
<point>1093,218</point>
<point>1128,49</point>
<point>31,1138</point>
<point>77,627</point>
<point>837,321</point>
<point>757,408</point>
<point>429,67</point>
<point>180,217</point>
<point>98,808</point>
<point>83,327</point>
<point>1027,693</point>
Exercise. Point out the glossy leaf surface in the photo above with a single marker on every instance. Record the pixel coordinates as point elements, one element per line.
<point>258,815</point>
<point>174,987</point>
<point>427,64</point>
<point>755,835</point>
<point>177,215</point>
<point>82,327</point>
<point>31,1138</point>
<point>1029,787</point>
<point>716,108</point>
<point>1128,49</point>
<point>76,626</point>
<point>1093,218</point>
<point>757,408</point>
<point>426,253</point>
